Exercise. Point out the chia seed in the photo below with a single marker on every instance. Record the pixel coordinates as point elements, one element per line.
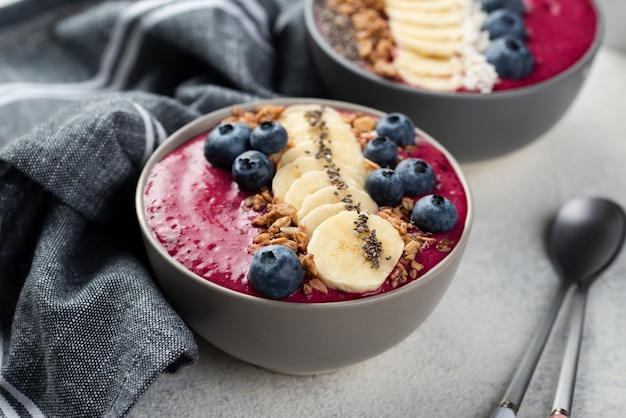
<point>338,30</point>
<point>372,247</point>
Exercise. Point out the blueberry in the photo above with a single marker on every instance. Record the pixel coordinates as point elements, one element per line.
<point>385,187</point>
<point>491,5</point>
<point>397,127</point>
<point>504,22</point>
<point>381,150</point>
<point>269,137</point>
<point>252,170</point>
<point>434,213</point>
<point>417,176</point>
<point>275,271</point>
<point>510,57</point>
<point>226,142</point>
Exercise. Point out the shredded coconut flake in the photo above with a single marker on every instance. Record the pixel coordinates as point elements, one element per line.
<point>478,74</point>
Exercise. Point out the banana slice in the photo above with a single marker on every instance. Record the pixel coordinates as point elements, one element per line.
<point>287,174</point>
<point>427,18</point>
<point>298,114</point>
<point>314,218</point>
<point>425,5</point>
<point>429,47</point>
<point>442,84</point>
<point>331,194</point>
<point>432,74</point>
<point>311,182</point>
<point>301,109</point>
<point>442,33</point>
<point>341,158</point>
<point>335,132</point>
<point>340,258</point>
<point>409,62</point>
<point>341,152</point>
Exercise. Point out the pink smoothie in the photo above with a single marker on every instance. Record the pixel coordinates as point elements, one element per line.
<point>559,34</point>
<point>198,214</point>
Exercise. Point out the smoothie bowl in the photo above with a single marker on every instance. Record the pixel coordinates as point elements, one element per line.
<point>303,235</point>
<point>484,77</point>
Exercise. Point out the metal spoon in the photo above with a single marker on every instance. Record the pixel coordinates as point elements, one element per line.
<point>586,235</point>
<point>612,228</point>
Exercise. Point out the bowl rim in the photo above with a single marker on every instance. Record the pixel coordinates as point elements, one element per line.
<point>208,121</point>
<point>320,41</point>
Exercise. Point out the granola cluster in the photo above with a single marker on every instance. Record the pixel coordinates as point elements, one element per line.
<point>414,241</point>
<point>262,113</point>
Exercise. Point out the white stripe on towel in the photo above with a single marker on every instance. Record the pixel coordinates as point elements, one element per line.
<point>153,139</point>
<point>5,407</point>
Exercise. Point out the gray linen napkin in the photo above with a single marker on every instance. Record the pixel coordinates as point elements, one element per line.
<point>88,92</point>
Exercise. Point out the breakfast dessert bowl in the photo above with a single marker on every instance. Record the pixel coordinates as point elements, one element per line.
<point>474,111</point>
<point>337,255</point>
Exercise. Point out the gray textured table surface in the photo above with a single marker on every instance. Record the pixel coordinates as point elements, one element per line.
<point>459,362</point>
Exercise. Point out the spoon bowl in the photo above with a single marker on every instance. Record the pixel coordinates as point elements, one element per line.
<point>586,236</point>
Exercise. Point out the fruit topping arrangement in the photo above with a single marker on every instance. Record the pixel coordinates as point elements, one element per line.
<point>459,45</point>
<point>342,204</point>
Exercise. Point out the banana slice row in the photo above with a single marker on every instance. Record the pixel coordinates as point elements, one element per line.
<point>438,42</point>
<point>326,147</point>
<point>322,174</point>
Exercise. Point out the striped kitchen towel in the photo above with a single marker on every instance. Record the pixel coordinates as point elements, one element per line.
<point>88,90</point>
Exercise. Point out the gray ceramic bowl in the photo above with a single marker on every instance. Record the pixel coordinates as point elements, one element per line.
<point>471,126</point>
<point>290,337</point>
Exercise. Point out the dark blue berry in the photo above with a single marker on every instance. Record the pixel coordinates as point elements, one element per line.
<point>226,142</point>
<point>491,5</point>
<point>252,170</point>
<point>275,272</point>
<point>503,22</point>
<point>381,150</point>
<point>397,127</point>
<point>417,176</point>
<point>385,187</point>
<point>434,213</point>
<point>510,57</point>
<point>269,137</point>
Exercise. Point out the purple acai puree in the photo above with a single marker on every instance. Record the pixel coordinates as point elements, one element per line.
<point>199,215</point>
<point>560,32</point>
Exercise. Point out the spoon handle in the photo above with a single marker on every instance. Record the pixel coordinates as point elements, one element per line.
<point>562,405</point>
<point>517,388</point>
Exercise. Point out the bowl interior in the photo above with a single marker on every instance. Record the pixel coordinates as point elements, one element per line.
<point>207,122</point>
<point>351,331</point>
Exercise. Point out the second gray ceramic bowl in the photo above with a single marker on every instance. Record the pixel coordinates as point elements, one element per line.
<point>471,126</point>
